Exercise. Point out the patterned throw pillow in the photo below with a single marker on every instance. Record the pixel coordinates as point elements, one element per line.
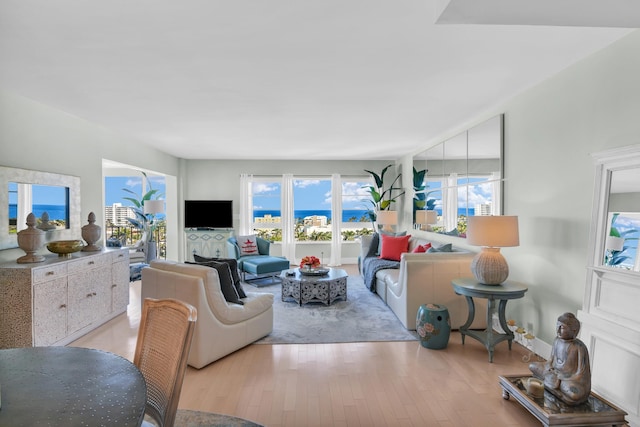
<point>248,245</point>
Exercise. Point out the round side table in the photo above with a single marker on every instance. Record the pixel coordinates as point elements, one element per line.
<point>470,288</point>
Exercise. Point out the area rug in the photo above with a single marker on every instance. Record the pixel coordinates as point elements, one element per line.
<point>362,317</point>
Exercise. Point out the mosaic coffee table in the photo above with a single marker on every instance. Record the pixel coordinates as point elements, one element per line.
<point>324,288</point>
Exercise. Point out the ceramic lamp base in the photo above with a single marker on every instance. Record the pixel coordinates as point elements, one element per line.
<point>489,267</point>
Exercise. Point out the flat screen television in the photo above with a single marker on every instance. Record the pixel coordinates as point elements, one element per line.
<point>208,214</point>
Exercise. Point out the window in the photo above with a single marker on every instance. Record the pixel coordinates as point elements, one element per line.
<point>355,207</point>
<point>266,202</point>
<point>312,209</point>
<point>313,214</point>
<point>460,198</point>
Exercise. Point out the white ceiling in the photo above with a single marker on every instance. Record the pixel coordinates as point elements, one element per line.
<point>281,79</point>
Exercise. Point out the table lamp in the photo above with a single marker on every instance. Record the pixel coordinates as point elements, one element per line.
<point>613,244</point>
<point>387,219</point>
<point>153,207</point>
<point>492,233</point>
<point>426,218</point>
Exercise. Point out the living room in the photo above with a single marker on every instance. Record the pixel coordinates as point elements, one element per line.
<point>551,129</point>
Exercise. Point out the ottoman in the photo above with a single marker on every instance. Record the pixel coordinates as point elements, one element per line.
<point>263,265</point>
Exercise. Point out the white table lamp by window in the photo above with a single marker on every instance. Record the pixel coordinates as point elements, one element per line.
<point>492,233</point>
<point>153,207</point>
<point>613,244</point>
<point>387,219</point>
<point>426,218</point>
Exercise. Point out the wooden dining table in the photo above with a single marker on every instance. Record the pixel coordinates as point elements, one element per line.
<point>69,386</point>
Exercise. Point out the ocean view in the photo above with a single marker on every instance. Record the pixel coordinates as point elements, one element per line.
<point>347,214</point>
<point>300,214</point>
<point>54,211</point>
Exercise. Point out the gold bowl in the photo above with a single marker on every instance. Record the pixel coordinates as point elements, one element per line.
<point>64,248</point>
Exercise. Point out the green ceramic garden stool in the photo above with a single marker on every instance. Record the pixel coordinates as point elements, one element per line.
<point>433,326</point>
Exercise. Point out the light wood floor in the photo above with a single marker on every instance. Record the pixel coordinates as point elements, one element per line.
<point>353,384</point>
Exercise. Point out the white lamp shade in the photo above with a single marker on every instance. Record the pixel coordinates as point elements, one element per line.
<point>387,217</point>
<point>153,206</point>
<point>615,243</point>
<point>493,231</point>
<point>426,217</point>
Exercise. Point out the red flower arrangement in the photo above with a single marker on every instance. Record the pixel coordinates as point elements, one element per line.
<point>310,261</point>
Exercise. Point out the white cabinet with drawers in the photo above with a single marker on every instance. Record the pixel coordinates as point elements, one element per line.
<point>59,300</point>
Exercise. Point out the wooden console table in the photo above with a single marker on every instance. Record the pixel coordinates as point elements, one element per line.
<point>505,291</point>
<point>552,412</point>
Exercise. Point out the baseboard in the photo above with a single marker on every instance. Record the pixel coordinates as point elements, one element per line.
<point>539,347</point>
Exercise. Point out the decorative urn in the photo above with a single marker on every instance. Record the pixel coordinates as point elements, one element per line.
<point>91,234</point>
<point>31,240</point>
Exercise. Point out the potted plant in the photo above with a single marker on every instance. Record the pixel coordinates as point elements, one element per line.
<point>420,193</point>
<point>382,197</point>
<point>144,221</point>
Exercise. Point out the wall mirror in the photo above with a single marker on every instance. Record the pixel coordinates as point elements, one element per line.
<point>623,220</point>
<point>464,176</point>
<point>25,191</point>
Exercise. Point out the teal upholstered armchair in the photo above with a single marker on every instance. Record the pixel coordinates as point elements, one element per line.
<point>256,264</point>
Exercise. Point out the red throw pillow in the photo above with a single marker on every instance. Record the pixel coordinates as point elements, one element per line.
<point>421,248</point>
<point>393,247</point>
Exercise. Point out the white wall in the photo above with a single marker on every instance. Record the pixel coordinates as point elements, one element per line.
<point>37,137</point>
<point>220,179</point>
<point>550,131</point>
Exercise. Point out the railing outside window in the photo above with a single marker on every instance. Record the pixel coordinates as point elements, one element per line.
<point>131,235</point>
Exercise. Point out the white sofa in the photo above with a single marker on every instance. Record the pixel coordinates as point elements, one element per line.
<point>222,327</point>
<point>426,278</point>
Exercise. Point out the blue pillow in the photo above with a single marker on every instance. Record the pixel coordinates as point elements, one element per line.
<point>447,247</point>
<point>453,232</point>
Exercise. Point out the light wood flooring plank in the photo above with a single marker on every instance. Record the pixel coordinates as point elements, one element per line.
<point>350,384</point>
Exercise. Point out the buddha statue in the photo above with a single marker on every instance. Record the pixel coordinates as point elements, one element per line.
<point>567,374</point>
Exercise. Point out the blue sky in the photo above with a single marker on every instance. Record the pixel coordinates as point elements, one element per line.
<point>42,194</point>
<point>114,185</point>
<point>114,193</point>
<point>308,194</point>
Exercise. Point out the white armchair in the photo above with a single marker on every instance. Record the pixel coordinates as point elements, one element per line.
<point>222,327</point>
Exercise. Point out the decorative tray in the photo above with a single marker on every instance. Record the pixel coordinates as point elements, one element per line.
<point>314,271</point>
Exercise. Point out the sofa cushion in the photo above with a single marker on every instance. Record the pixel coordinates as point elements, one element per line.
<point>248,245</point>
<point>394,247</point>
<point>384,279</point>
<point>390,278</point>
<point>421,248</point>
<point>255,304</point>
<point>226,281</point>
<point>447,247</point>
<point>387,233</point>
<point>233,266</point>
